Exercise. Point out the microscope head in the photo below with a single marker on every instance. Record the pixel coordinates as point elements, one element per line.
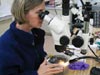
<point>58,30</point>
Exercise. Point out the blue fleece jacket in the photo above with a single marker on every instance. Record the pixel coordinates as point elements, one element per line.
<point>21,53</point>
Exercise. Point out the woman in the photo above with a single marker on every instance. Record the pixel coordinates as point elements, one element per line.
<point>21,46</point>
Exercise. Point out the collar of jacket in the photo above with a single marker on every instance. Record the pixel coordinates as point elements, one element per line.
<point>21,35</point>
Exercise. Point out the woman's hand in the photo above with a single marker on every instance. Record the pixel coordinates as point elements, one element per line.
<point>49,69</point>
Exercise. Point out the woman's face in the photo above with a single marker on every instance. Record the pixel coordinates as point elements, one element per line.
<point>33,16</point>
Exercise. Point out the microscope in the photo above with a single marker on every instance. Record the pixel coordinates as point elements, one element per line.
<point>60,28</point>
<point>83,23</point>
<point>62,35</point>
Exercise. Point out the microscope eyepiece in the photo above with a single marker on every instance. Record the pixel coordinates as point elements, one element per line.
<point>42,14</point>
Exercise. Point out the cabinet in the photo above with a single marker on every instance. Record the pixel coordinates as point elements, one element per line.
<point>5,15</point>
<point>4,25</point>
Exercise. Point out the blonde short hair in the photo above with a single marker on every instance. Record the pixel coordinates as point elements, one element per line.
<point>21,7</point>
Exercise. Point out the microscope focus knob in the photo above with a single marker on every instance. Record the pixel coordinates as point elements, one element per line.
<point>64,40</point>
<point>77,41</point>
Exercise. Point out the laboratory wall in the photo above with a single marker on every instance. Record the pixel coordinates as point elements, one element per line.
<point>6,2</point>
